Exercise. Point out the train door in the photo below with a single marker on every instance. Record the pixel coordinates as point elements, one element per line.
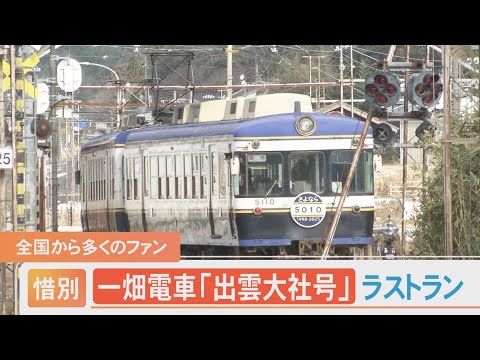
<point>142,185</point>
<point>106,187</point>
<point>218,199</point>
<point>84,175</point>
<point>134,191</point>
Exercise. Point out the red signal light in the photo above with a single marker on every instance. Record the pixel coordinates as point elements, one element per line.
<point>42,127</point>
<point>427,100</point>
<point>428,79</point>
<point>380,79</point>
<point>372,89</point>
<point>391,89</point>
<point>382,99</point>
<point>420,89</point>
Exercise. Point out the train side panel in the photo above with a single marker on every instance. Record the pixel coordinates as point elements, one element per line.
<point>181,186</point>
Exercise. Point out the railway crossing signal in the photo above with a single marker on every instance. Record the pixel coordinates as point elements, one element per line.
<point>382,89</point>
<point>425,89</point>
<point>43,128</point>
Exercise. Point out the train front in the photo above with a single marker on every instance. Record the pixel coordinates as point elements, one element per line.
<point>289,171</point>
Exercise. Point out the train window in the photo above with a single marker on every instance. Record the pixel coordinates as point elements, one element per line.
<point>180,115</point>
<point>221,177</point>
<point>110,176</point>
<point>95,194</point>
<point>82,182</point>
<point>178,176</point>
<point>261,174</point>
<point>251,106</point>
<point>187,179</point>
<point>175,119</point>
<point>104,194</point>
<point>203,182</point>
<point>214,173</point>
<point>306,172</point>
<point>91,174</point>
<point>129,163</point>
<point>203,176</point>
<point>99,180</point>
<point>159,192</point>
<point>94,178</point>
<point>196,176</point>
<point>196,165</point>
<point>137,176</point>
<point>102,180</point>
<point>194,113</point>
<point>362,180</point>
<point>170,175</point>
<point>162,177</point>
<point>101,168</point>
<point>153,170</point>
<point>177,188</point>
<point>146,176</point>
<point>233,108</point>
<point>84,174</point>
<point>123,172</point>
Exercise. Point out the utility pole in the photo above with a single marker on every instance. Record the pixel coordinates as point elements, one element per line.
<point>351,79</point>
<point>229,71</point>
<point>405,150</point>
<point>19,120</point>
<point>13,101</point>
<point>316,78</point>
<point>425,150</point>
<point>30,143</point>
<point>54,144</point>
<point>3,195</point>
<point>447,148</point>
<point>346,185</point>
<point>341,79</point>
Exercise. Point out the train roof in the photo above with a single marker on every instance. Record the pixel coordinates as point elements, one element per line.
<point>117,137</point>
<point>267,126</point>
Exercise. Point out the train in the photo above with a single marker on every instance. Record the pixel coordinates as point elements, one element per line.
<point>256,175</point>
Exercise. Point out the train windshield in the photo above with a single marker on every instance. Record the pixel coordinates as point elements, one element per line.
<point>261,174</point>
<point>362,181</point>
<point>307,172</point>
<point>292,173</point>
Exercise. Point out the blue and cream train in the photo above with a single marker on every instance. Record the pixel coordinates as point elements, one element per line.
<point>263,184</point>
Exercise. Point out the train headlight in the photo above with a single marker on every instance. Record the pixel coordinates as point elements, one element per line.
<point>256,144</point>
<point>356,209</point>
<point>305,125</point>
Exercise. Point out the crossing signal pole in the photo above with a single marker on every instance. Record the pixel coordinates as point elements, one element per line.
<point>423,91</point>
<point>54,145</point>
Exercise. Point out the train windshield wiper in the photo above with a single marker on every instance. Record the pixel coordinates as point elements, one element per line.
<point>269,191</point>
